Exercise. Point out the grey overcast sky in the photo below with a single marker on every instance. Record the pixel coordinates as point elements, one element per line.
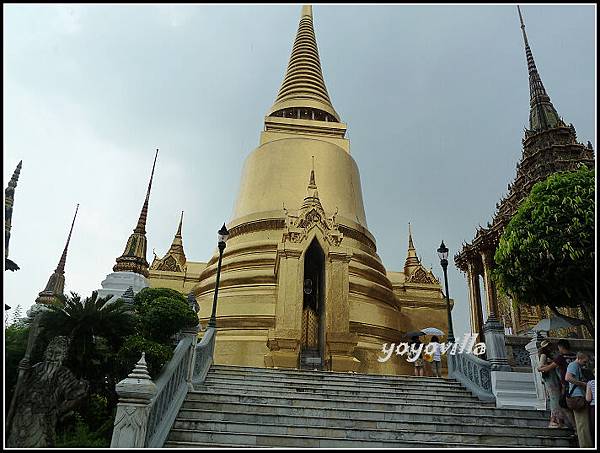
<point>435,98</point>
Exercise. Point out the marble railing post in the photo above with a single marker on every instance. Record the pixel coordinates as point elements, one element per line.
<point>493,330</point>
<point>133,410</point>
<point>532,348</point>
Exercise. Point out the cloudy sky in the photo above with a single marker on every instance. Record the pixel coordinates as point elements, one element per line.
<point>435,98</point>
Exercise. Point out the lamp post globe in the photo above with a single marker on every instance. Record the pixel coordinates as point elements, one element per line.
<point>222,235</point>
<point>443,254</point>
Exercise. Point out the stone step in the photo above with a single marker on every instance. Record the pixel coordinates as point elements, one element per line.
<point>317,401</point>
<point>190,419</point>
<point>224,386</point>
<point>264,441</point>
<point>416,385</point>
<point>342,394</point>
<point>250,371</point>
<point>196,432</point>
<point>416,413</point>
<point>175,444</point>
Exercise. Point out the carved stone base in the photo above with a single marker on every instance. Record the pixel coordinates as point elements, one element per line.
<point>341,347</point>
<point>284,348</point>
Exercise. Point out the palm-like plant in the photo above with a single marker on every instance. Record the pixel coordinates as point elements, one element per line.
<point>95,327</point>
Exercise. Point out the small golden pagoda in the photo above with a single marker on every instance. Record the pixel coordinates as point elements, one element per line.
<point>301,278</point>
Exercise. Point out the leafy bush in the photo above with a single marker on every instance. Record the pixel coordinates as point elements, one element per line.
<point>163,317</point>
<point>79,434</point>
<point>147,295</point>
<point>157,354</point>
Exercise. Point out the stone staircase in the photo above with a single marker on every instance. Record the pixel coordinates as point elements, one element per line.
<point>258,407</point>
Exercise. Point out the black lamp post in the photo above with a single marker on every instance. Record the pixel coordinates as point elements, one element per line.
<point>223,234</point>
<point>443,254</point>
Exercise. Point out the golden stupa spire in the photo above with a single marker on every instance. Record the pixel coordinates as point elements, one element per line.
<point>412,261</point>
<point>56,282</point>
<point>133,258</point>
<point>303,94</point>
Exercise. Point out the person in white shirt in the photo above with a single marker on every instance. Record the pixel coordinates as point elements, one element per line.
<point>437,357</point>
<point>590,395</point>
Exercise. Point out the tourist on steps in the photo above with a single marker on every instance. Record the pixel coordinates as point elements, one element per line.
<point>552,384</point>
<point>419,363</point>
<point>590,395</point>
<point>437,357</point>
<point>560,363</point>
<point>576,399</point>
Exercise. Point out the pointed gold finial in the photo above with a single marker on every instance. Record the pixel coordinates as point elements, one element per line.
<point>412,260</point>
<point>303,94</point>
<point>180,223</point>
<point>312,184</point>
<point>306,11</point>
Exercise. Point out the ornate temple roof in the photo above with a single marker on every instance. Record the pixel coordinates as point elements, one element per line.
<point>414,271</point>
<point>543,115</point>
<point>303,86</point>
<point>56,282</point>
<point>174,260</point>
<point>133,258</point>
<point>9,197</point>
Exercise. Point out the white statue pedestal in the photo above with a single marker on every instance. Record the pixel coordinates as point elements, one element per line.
<point>118,282</point>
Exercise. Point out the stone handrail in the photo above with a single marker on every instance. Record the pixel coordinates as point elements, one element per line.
<point>204,356</point>
<point>472,372</point>
<point>517,355</point>
<point>171,389</point>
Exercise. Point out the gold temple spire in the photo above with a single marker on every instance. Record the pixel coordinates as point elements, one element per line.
<point>303,94</point>
<point>412,260</point>
<point>56,282</point>
<point>542,115</point>
<point>133,258</point>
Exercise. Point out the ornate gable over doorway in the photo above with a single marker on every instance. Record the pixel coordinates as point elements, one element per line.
<point>310,215</point>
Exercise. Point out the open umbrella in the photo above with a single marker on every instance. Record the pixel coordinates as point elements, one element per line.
<point>416,333</point>
<point>425,331</point>
<point>432,331</point>
<point>556,322</point>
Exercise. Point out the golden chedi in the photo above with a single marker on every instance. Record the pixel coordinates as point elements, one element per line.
<point>301,283</point>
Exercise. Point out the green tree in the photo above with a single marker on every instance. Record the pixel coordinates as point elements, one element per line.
<point>161,313</point>
<point>545,256</point>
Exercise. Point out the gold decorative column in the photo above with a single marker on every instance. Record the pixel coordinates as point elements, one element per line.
<point>474,299</point>
<point>487,259</point>
<point>284,341</point>
<point>340,342</point>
